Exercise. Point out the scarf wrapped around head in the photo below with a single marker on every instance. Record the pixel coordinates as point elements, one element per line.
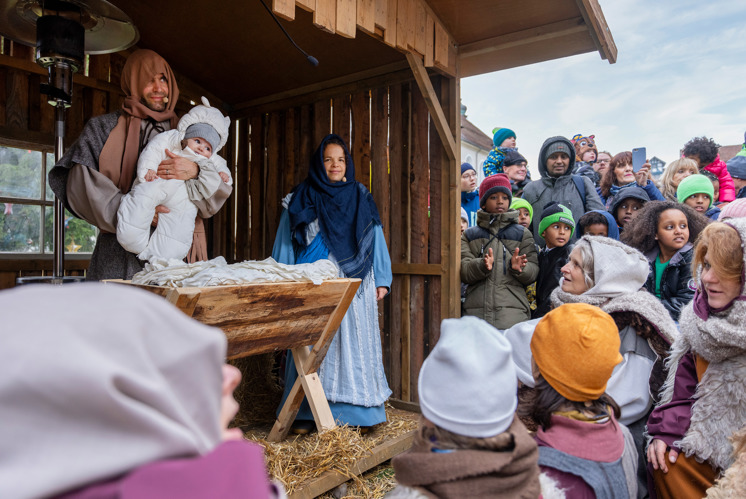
<point>346,212</point>
<point>118,159</point>
<point>107,379</point>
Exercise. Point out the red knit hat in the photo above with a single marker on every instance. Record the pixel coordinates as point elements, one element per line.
<point>492,184</point>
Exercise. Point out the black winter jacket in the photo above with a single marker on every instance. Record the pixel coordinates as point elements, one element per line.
<point>675,289</point>
<point>550,263</point>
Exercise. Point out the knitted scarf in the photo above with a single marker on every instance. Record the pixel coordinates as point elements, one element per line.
<point>474,473</point>
<point>346,212</point>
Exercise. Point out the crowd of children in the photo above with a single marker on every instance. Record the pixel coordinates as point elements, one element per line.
<point>635,299</point>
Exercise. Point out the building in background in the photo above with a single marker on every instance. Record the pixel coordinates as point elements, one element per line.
<point>657,166</point>
<point>475,145</point>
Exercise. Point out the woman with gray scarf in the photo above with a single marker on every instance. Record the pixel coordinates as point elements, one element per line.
<point>703,402</point>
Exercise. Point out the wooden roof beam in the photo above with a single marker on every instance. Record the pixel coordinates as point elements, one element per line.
<point>600,32</point>
<point>433,104</point>
<point>525,37</point>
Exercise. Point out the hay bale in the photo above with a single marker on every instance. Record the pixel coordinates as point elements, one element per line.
<point>259,392</point>
<point>301,459</point>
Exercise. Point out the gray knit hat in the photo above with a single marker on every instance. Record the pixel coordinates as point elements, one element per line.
<point>203,131</point>
<point>737,166</point>
<point>468,382</point>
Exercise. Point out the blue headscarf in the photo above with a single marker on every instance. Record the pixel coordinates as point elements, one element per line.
<point>346,212</point>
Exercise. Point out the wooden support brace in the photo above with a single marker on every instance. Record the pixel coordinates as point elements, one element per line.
<point>433,104</point>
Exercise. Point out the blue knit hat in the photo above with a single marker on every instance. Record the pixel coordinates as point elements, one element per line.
<point>500,134</point>
<point>465,167</point>
<point>737,165</point>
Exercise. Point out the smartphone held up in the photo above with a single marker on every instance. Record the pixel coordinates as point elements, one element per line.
<point>639,158</point>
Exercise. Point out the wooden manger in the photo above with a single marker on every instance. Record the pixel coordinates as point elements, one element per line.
<point>267,317</point>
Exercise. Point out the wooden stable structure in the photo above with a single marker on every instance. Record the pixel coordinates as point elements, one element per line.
<point>387,81</point>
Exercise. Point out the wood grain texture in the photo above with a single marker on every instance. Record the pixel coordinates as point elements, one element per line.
<point>346,24</point>
<point>360,143</point>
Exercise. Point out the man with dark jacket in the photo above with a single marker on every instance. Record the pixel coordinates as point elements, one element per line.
<point>557,183</point>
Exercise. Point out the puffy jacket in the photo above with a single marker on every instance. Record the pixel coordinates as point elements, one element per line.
<point>497,296</point>
<point>675,291</point>
<point>561,189</point>
<point>727,186</point>
<point>550,265</point>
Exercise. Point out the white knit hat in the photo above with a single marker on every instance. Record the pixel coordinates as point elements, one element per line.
<point>211,116</point>
<point>468,382</point>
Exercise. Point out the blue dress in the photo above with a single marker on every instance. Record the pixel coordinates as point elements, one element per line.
<point>352,371</point>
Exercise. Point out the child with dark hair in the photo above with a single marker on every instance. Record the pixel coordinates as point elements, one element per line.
<point>498,258</point>
<point>575,348</point>
<point>665,231</point>
<point>625,205</point>
<point>598,223</point>
<point>556,227</point>
<point>706,153</point>
<point>715,185</point>
<point>697,191</point>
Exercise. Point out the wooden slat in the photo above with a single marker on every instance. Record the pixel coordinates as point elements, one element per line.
<point>433,104</point>
<point>241,192</point>
<point>20,51</point>
<point>256,182</point>
<point>402,21</point>
<point>420,28</point>
<point>16,107</point>
<point>74,117</point>
<point>290,151</point>
<point>419,194</point>
<point>366,15</point>
<point>390,35</point>
<point>429,42</point>
<point>397,134</point>
<point>381,14</point>
<point>306,146</point>
<point>438,217</point>
<point>347,18</point>
<point>325,15</point>
<point>3,94</point>
<point>361,137</point>
<point>322,119</point>
<point>341,118</point>
<point>379,158</point>
<point>284,9</point>
<point>440,56</point>
<point>273,184</point>
<point>451,233</point>
<point>417,268</point>
<point>95,102</point>
<point>35,102</point>
<point>116,65</point>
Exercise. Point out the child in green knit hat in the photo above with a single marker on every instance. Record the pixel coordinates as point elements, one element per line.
<point>556,227</point>
<point>698,192</point>
<point>525,211</point>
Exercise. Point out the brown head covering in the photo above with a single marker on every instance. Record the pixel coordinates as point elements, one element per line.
<point>118,159</point>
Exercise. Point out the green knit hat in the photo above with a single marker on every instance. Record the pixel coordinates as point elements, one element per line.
<point>554,213</point>
<point>522,203</point>
<point>695,184</point>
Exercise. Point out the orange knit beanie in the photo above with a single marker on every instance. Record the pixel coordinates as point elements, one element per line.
<point>576,347</point>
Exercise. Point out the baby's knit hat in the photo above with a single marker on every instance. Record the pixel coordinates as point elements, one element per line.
<point>554,213</point>
<point>465,167</point>
<point>695,184</point>
<point>464,215</point>
<point>737,165</point>
<point>207,122</point>
<point>468,382</point>
<point>734,209</point>
<point>576,347</point>
<point>492,184</point>
<point>522,203</point>
<point>500,134</point>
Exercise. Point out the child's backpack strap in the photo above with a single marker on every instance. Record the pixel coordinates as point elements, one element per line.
<point>580,186</point>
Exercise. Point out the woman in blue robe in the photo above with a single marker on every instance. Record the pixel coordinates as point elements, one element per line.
<point>330,215</point>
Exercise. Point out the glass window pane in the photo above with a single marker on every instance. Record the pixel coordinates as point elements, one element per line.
<point>20,228</point>
<point>20,173</point>
<point>80,236</point>
<point>50,164</point>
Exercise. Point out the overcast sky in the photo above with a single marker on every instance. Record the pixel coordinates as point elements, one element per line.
<point>680,73</point>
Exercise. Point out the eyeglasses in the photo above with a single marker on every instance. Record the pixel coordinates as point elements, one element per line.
<point>469,175</point>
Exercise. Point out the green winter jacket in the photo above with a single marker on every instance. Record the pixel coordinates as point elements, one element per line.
<point>497,296</point>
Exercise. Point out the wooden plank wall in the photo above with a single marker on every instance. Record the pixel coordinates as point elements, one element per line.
<point>399,157</point>
<point>408,25</point>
